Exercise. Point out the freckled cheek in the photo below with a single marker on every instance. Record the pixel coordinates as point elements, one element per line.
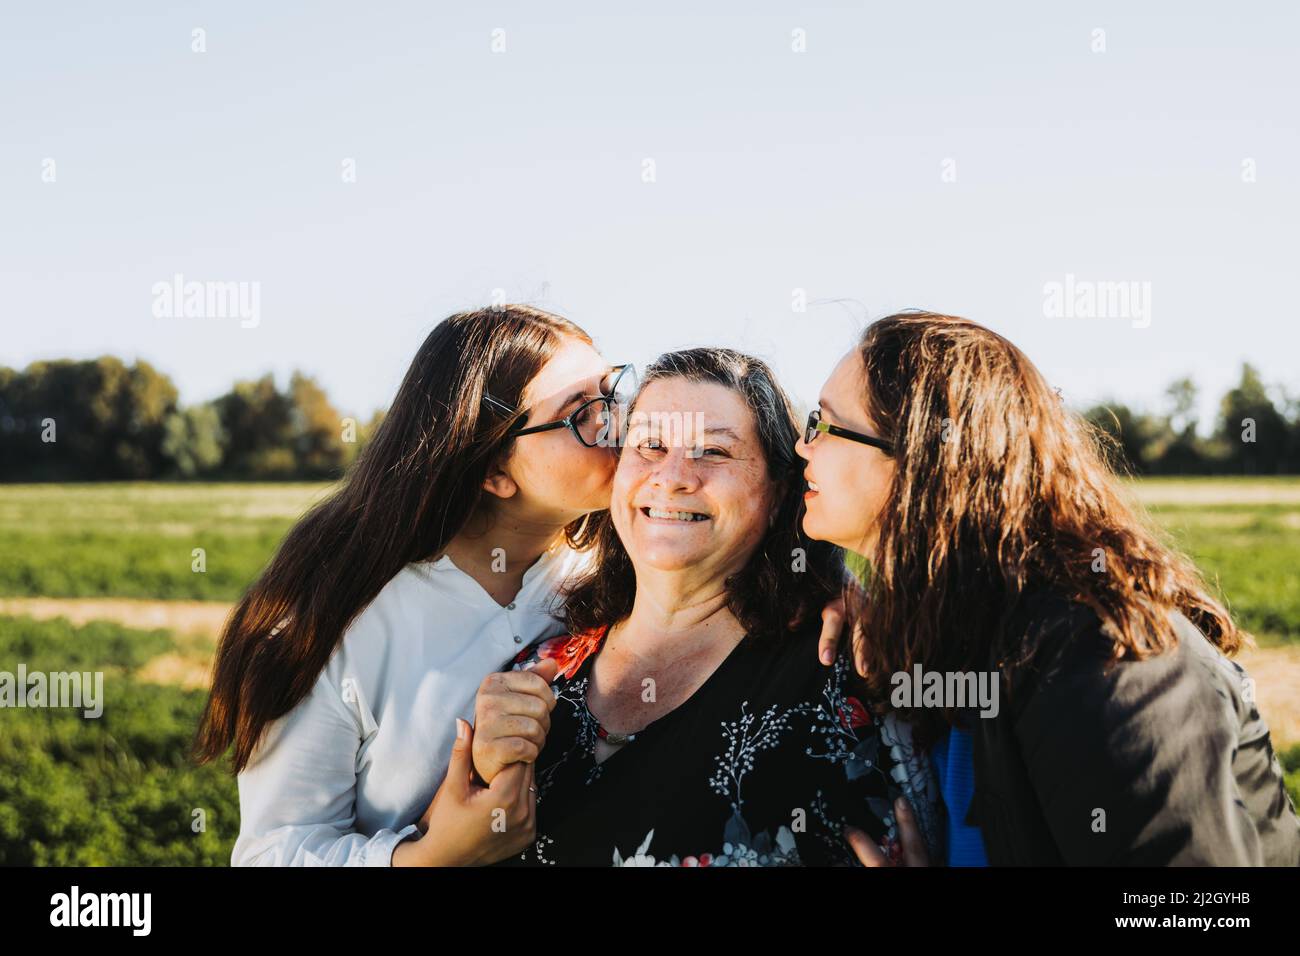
<point>743,506</point>
<point>626,487</point>
<point>628,478</point>
<point>547,463</point>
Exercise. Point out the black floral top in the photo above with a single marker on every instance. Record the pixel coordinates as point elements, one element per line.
<point>763,765</point>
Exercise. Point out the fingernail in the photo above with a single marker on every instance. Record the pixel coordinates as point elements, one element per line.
<point>902,807</point>
<point>460,728</point>
<point>827,656</point>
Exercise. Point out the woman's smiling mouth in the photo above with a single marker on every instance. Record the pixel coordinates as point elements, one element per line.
<point>674,517</point>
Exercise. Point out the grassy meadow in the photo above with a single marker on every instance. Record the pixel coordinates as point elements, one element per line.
<point>137,540</point>
<point>1244,535</point>
<point>102,578</point>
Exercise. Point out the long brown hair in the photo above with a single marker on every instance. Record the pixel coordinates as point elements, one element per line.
<point>413,487</point>
<point>789,578</point>
<point>1001,493</point>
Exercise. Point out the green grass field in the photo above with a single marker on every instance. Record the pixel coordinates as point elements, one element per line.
<point>113,790</point>
<point>119,789</point>
<point>1244,535</point>
<point>137,540</point>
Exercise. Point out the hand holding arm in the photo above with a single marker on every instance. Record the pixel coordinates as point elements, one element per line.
<point>512,716</point>
<point>469,825</point>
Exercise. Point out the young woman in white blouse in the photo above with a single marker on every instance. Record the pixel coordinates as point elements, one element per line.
<point>345,677</point>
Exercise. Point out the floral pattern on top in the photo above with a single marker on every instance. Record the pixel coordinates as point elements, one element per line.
<point>764,765</point>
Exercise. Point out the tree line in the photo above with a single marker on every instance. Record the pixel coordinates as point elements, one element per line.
<point>1252,433</point>
<point>101,419</point>
<point>104,420</point>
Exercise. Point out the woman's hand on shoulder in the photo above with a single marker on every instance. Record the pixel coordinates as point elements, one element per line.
<point>833,635</point>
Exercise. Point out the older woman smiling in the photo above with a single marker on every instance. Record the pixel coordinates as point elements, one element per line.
<point>691,722</point>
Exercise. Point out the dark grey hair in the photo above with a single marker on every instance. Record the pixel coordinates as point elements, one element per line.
<point>790,577</point>
<point>754,381</point>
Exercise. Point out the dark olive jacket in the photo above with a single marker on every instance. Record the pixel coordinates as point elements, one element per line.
<point>1146,763</point>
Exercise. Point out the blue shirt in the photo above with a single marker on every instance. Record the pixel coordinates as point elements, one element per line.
<point>954,766</point>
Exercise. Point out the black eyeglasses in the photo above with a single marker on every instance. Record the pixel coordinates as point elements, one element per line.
<point>815,425</point>
<point>594,422</point>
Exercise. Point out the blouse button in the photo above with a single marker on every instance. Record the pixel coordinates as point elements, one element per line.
<point>518,639</point>
<point>510,606</point>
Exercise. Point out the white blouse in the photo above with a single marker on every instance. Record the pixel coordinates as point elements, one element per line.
<point>342,778</point>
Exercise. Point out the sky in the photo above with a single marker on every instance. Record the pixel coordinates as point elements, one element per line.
<point>766,176</point>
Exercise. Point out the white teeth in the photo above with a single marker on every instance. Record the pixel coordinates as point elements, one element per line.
<point>812,486</point>
<point>676,515</point>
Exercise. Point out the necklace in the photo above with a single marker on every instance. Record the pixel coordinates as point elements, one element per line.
<point>616,740</point>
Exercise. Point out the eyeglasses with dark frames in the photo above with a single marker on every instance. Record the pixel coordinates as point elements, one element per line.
<point>815,425</point>
<point>592,422</point>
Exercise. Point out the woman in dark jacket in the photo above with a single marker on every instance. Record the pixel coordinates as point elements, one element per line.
<point>1035,630</point>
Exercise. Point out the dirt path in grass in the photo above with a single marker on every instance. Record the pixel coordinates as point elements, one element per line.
<point>1276,670</point>
<point>197,618</point>
<point>195,626</point>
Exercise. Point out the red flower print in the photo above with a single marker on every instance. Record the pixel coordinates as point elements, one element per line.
<point>570,650</point>
<point>854,715</point>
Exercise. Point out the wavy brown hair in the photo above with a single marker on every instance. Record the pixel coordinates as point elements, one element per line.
<point>1000,493</point>
<point>411,490</point>
<point>789,578</point>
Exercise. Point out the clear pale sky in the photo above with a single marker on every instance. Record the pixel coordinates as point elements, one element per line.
<point>774,170</point>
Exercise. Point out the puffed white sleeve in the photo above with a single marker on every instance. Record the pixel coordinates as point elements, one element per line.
<point>297,795</point>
